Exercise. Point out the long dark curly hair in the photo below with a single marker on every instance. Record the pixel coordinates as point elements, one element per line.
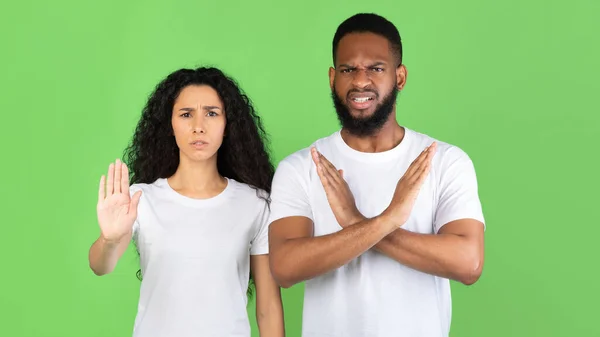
<point>243,155</point>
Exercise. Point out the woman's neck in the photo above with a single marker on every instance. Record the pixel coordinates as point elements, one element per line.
<point>199,180</point>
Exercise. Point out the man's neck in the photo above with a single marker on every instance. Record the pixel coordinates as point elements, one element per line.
<point>385,139</point>
<point>197,179</point>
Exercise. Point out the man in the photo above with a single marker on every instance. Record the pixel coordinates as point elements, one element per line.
<point>376,218</point>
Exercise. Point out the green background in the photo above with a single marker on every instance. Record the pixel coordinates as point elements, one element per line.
<point>514,83</point>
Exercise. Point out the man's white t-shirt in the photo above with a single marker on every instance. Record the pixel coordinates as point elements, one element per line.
<point>374,295</point>
<point>195,259</point>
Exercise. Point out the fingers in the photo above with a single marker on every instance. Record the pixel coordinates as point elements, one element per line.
<point>431,153</point>
<point>330,170</point>
<point>101,192</point>
<point>421,170</point>
<point>417,165</point>
<point>327,172</point>
<point>117,179</point>
<point>331,178</point>
<point>417,183</point>
<point>124,179</point>
<point>322,171</point>
<point>110,180</point>
<point>427,167</point>
<point>315,157</point>
<point>323,176</point>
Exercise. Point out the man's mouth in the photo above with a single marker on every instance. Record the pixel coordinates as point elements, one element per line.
<point>361,100</point>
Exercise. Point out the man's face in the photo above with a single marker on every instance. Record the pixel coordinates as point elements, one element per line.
<point>364,82</point>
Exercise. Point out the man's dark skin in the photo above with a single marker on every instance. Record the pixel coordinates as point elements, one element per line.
<point>365,62</point>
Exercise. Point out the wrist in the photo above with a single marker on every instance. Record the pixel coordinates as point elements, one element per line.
<point>109,242</point>
<point>356,218</point>
<point>388,221</point>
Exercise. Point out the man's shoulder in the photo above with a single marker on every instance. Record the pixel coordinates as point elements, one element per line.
<point>445,152</point>
<point>296,158</point>
<point>302,158</point>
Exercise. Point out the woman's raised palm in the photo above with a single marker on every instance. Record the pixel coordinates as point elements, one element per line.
<point>116,210</point>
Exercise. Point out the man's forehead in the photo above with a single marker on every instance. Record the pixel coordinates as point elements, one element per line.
<point>363,47</point>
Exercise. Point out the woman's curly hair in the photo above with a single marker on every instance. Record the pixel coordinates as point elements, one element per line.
<point>243,155</point>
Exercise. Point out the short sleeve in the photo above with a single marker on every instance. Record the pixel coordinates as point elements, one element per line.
<point>136,224</point>
<point>458,195</point>
<point>260,243</point>
<point>135,231</point>
<point>289,191</point>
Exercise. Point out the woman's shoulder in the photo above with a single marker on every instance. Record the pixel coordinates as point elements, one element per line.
<point>248,192</point>
<point>146,187</point>
<point>251,203</point>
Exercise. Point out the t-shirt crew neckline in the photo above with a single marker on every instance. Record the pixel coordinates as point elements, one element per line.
<point>194,202</point>
<point>374,157</point>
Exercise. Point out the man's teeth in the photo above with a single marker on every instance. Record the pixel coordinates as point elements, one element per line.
<point>361,99</point>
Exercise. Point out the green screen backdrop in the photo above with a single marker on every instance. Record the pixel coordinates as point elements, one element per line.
<point>514,83</point>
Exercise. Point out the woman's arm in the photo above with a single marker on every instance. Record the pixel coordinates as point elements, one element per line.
<point>104,255</point>
<point>117,212</point>
<point>269,307</point>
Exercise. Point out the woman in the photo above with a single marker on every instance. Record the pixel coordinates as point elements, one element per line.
<point>197,211</point>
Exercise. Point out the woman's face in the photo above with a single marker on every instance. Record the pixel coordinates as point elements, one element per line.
<point>198,122</point>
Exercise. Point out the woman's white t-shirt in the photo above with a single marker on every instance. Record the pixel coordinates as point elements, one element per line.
<point>195,259</point>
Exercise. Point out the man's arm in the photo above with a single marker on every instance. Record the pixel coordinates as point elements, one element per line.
<point>296,255</point>
<point>456,252</point>
<point>456,249</point>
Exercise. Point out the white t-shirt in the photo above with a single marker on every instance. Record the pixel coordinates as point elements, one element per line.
<point>195,260</point>
<point>374,295</point>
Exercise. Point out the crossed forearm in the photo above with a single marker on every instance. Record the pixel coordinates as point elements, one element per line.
<point>300,259</point>
<point>450,256</point>
<point>445,255</point>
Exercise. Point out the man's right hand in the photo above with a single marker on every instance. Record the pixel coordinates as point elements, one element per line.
<point>408,188</point>
<point>338,193</point>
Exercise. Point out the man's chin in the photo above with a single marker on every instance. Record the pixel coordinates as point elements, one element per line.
<point>362,114</point>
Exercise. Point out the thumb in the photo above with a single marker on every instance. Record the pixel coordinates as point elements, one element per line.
<point>341,173</point>
<point>135,201</point>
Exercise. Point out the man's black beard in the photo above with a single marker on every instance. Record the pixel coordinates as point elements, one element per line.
<point>367,126</point>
